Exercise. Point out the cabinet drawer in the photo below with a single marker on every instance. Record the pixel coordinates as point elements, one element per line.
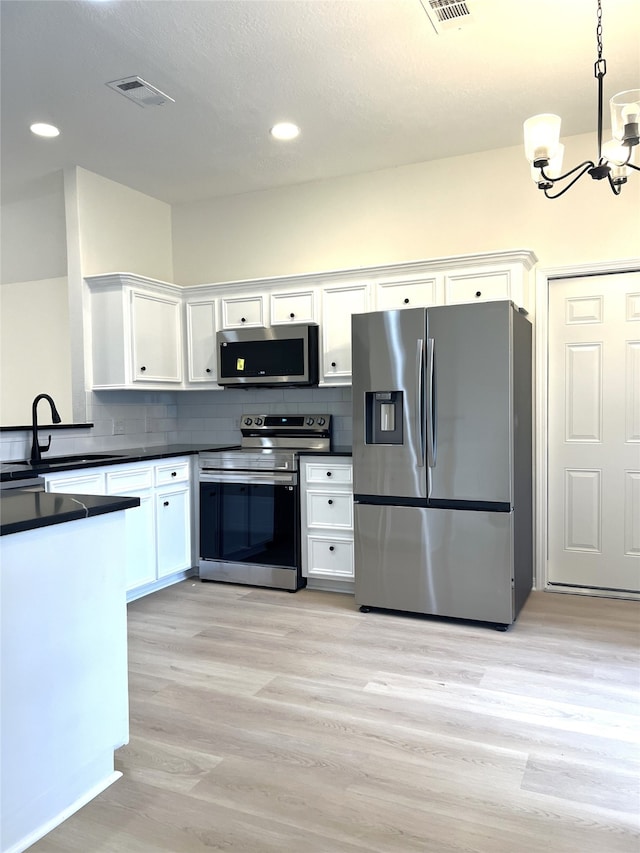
<point>119,482</point>
<point>330,509</point>
<point>172,472</point>
<point>91,483</point>
<point>478,287</point>
<point>329,474</point>
<point>330,557</point>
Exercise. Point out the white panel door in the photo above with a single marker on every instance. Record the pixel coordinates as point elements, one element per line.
<point>594,432</point>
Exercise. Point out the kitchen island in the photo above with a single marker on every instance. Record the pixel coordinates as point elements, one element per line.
<point>63,657</point>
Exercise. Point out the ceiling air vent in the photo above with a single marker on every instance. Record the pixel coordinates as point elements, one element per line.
<point>140,92</point>
<point>448,14</point>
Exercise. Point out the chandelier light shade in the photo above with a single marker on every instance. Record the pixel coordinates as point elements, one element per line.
<point>544,151</point>
<point>625,112</point>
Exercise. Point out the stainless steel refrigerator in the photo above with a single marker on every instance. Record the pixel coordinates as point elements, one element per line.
<point>442,460</point>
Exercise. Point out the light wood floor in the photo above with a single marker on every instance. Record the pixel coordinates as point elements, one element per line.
<point>266,721</point>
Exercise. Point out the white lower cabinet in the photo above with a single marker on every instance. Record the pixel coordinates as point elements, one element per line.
<point>173,523</point>
<point>159,531</point>
<point>326,514</point>
<point>136,480</point>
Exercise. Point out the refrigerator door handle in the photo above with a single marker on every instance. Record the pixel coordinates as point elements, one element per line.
<point>420,399</point>
<point>431,414</point>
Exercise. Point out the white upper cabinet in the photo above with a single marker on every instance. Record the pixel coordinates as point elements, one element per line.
<point>490,281</point>
<point>409,293</point>
<point>294,307</point>
<point>156,338</point>
<point>239,312</point>
<point>136,324</point>
<point>136,333</point>
<point>338,305</point>
<point>201,324</point>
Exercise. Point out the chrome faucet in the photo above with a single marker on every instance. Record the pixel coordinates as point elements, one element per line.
<point>36,448</point>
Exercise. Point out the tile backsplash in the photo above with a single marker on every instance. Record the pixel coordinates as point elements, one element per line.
<point>123,419</point>
<point>215,416</point>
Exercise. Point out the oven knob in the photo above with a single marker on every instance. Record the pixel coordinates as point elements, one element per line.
<point>258,421</point>
<point>321,421</point>
<point>248,421</point>
<point>309,421</point>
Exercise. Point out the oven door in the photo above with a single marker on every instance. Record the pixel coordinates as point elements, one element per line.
<point>249,528</point>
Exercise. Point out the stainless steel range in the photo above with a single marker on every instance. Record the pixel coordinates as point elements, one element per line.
<point>250,501</point>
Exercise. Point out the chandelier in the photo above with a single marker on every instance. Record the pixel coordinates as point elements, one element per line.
<point>544,150</point>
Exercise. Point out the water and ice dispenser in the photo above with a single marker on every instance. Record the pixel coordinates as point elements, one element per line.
<point>383,417</point>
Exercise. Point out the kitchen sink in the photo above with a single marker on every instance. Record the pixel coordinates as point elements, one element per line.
<point>65,460</point>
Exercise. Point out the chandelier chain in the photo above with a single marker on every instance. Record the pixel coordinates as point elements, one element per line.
<point>599,30</point>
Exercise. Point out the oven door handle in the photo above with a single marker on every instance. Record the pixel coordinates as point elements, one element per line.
<point>248,477</point>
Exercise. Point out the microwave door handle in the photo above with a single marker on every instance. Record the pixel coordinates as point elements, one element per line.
<point>420,402</point>
<point>431,413</point>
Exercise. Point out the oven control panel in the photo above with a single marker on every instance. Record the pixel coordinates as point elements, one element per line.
<point>283,424</point>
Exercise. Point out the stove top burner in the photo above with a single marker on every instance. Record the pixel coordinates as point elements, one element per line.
<point>272,442</point>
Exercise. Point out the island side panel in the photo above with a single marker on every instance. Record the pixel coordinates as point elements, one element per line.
<point>63,671</point>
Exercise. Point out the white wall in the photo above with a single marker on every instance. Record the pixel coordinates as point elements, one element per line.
<point>35,353</point>
<point>122,230</point>
<point>32,232</point>
<point>112,228</point>
<point>34,310</point>
<point>476,203</point>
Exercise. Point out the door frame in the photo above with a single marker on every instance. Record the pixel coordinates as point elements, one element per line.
<point>544,277</point>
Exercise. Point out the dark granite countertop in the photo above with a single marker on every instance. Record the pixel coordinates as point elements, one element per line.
<point>24,509</point>
<point>121,456</point>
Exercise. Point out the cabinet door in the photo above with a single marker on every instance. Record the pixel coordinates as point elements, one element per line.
<point>140,556</point>
<point>173,530</point>
<point>409,294</point>
<point>201,342</point>
<point>294,307</point>
<point>140,561</point>
<point>243,311</point>
<point>157,341</point>
<point>338,304</point>
<point>477,286</point>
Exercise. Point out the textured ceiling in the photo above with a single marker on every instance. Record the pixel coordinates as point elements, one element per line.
<point>370,82</point>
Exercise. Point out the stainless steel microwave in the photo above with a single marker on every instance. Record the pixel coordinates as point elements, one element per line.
<point>279,355</point>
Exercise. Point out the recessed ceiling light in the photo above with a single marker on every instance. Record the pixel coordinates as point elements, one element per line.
<point>285,130</point>
<point>42,129</point>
